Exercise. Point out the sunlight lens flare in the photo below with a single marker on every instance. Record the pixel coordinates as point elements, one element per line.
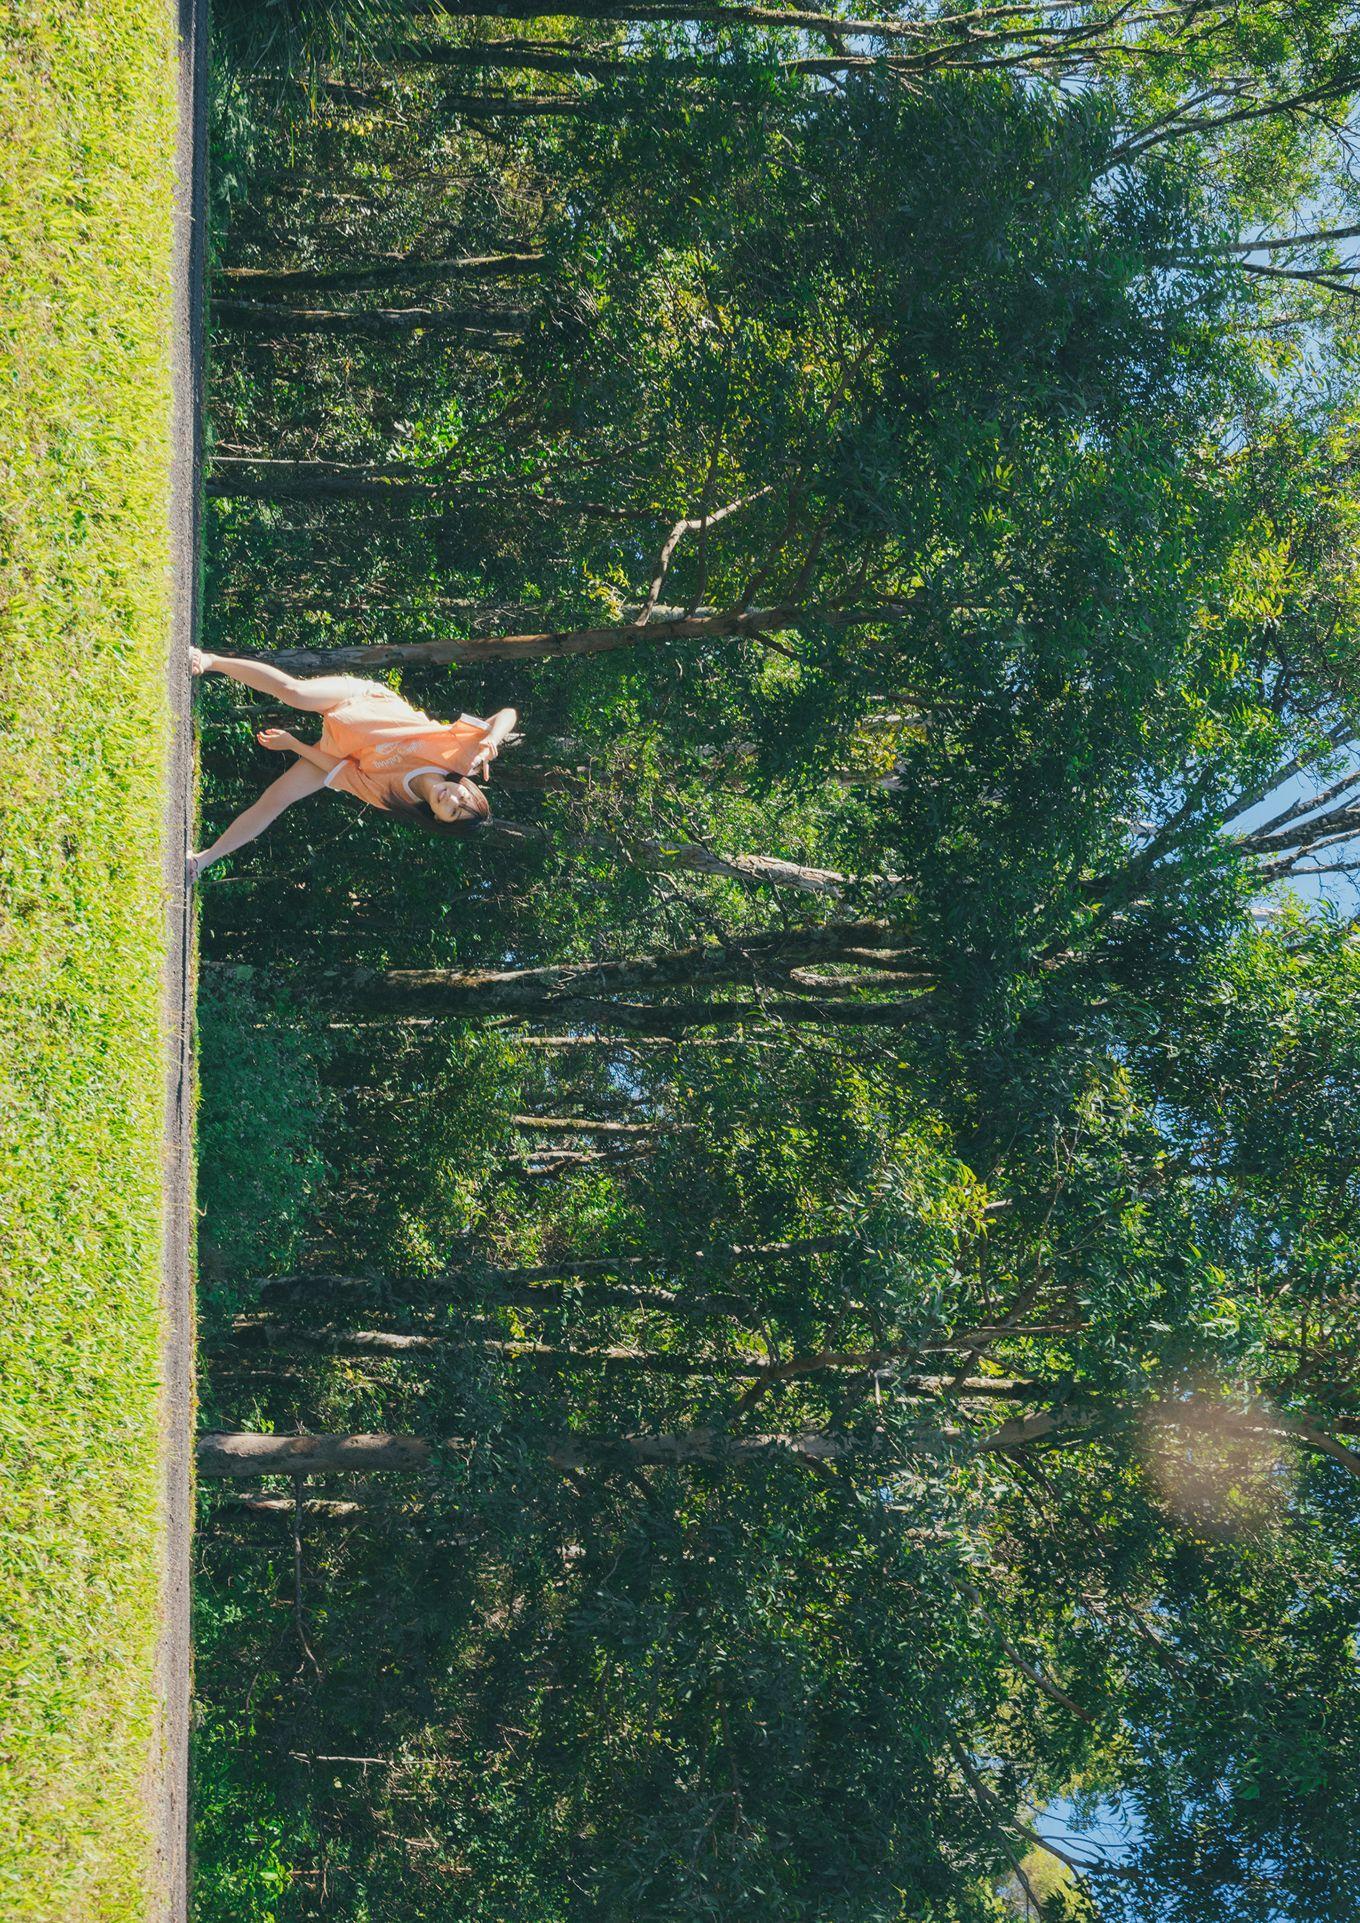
<point>1219,1464</point>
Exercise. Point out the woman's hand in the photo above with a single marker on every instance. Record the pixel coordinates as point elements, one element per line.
<point>501,724</point>
<point>277,740</point>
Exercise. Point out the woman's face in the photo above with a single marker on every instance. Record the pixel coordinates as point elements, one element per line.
<point>449,802</point>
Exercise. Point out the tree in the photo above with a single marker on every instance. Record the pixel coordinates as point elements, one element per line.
<point>953,1412</point>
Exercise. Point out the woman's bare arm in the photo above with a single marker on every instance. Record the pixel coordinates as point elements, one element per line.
<point>501,725</point>
<point>279,741</point>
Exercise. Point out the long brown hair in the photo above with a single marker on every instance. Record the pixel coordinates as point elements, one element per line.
<point>420,814</point>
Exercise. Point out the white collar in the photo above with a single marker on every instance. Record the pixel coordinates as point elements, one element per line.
<point>408,778</point>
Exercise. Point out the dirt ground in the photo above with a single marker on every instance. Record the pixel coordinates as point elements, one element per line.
<point>169,1897</point>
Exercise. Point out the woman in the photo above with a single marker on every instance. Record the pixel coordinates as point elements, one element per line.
<point>373,745</point>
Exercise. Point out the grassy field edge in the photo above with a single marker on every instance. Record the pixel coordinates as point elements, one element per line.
<point>87,120</point>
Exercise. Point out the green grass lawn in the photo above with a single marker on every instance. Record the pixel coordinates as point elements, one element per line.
<point>86,175</point>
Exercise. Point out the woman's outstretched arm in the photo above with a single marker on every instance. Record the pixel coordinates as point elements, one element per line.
<point>502,724</point>
<point>279,741</point>
<point>294,784</point>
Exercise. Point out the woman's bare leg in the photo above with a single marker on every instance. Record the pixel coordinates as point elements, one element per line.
<point>294,784</point>
<point>313,696</point>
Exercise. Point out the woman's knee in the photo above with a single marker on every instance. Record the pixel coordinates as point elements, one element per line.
<point>326,691</point>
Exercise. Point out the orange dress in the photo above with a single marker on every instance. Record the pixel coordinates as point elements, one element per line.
<point>382,741</point>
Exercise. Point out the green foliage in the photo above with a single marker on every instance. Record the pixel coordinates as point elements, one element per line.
<point>262,1171</point>
<point>241,1836</point>
<point>293,41</point>
<point>883,1327</point>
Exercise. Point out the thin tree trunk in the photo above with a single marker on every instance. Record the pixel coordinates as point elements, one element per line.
<point>396,270</point>
<point>512,1294</point>
<point>680,1019</point>
<point>1184,124</point>
<point>518,106</point>
<point>634,1047</point>
<point>255,479</point>
<point>319,1506</point>
<point>659,857</point>
<point>380,323</point>
<point>544,1162</point>
<point>378,1511</point>
<point>523,56</point>
<point>395,485</point>
<point>470,106</point>
<point>223,1455</point>
<point>626,1045</point>
<point>725,1255</point>
<point>529,1287</point>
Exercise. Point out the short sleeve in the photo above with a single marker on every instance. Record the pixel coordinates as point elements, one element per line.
<point>457,743</point>
<point>350,777</point>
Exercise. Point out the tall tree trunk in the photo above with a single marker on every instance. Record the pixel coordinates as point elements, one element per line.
<point>678,1020</point>
<point>491,991</point>
<point>394,484</point>
<point>394,270</point>
<point>251,1333</point>
<point>253,478</point>
<point>475,106</point>
<point>718,13</point>
<point>438,994</point>
<point>724,1255</point>
<point>497,1289</point>
<point>531,1287</point>
<point>479,326</point>
<point>549,645</point>
<point>257,1332</point>
<point>228,1455</point>
<point>527,56</point>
